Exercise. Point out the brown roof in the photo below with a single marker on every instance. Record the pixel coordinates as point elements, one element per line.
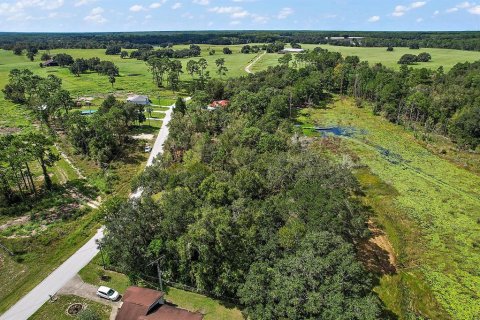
<point>167,312</point>
<point>131,311</point>
<point>142,296</point>
<point>138,303</point>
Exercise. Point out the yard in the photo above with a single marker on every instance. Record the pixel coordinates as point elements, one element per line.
<point>58,310</point>
<point>213,309</point>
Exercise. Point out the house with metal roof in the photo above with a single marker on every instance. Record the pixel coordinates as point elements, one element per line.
<point>140,100</point>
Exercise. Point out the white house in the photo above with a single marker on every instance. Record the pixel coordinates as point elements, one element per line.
<point>141,100</point>
<point>292,50</point>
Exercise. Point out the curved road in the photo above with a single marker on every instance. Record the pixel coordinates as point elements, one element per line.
<point>31,302</point>
<point>248,68</point>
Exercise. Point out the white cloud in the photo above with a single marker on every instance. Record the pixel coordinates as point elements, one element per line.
<point>474,10</point>
<point>96,16</point>
<point>374,19</point>
<point>258,19</point>
<point>465,5</point>
<point>420,20</point>
<point>471,7</point>
<point>418,4</point>
<point>202,2</point>
<point>401,10</point>
<point>285,12</point>
<point>235,23</point>
<point>436,12</point>
<point>157,5</point>
<point>234,12</point>
<point>238,13</point>
<point>136,8</point>
<point>97,10</point>
<point>176,6</point>
<point>18,7</point>
<point>83,2</point>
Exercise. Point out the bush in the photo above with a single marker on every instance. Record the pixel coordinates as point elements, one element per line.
<point>88,314</point>
<point>424,57</point>
<point>408,59</point>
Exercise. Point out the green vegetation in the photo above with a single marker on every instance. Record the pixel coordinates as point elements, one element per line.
<point>425,203</point>
<point>38,255</point>
<point>239,198</point>
<point>240,210</point>
<point>445,58</point>
<point>58,309</point>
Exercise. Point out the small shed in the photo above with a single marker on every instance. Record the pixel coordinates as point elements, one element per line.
<point>140,100</point>
<point>50,63</point>
<point>87,112</point>
<point>291,50</point>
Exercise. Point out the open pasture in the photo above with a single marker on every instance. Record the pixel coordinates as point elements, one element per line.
<point>434,220</point>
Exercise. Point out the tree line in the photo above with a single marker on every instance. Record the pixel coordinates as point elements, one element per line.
<point>19,42</point>
<point>146,53</point>
<point>239,207</point>
<point>422,99</point>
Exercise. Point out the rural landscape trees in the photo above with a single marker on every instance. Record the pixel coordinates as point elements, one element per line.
<point>242,202</point>
<point>243,205</point>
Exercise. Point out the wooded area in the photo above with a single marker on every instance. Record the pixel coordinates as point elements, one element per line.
<point>452,40</point>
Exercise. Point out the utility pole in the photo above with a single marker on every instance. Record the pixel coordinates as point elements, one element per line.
<point>159,271</point>
<point>101,253</point>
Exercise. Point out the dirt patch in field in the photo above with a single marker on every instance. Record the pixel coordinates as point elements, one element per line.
<point>7,130</point>
<point>143,136</point>
<point>377,253</point>
<point>14,222</point>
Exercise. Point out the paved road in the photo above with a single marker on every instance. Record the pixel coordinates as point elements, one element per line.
<point>30,303</point>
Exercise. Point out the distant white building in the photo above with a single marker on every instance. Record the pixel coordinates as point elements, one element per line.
<point>292,50</point>
<point>141,100</point>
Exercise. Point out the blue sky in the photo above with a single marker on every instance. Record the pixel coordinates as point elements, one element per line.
<point>116,15</point>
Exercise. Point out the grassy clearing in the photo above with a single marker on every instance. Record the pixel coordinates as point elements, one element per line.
<point>440,57</point>
<point>57,310</point>
<point>213,309</point>
<point>433,221</point>
<point>37,256</point>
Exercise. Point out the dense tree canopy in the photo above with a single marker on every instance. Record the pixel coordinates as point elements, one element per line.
<point>237,198</point>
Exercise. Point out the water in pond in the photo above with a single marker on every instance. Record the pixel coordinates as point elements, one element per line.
<point>336,131</point>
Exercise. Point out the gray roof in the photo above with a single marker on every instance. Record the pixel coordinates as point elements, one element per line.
<point>137,98</point>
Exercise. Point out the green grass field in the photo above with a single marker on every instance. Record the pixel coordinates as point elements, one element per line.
<point>431,213</point>
<point>440,57</point>
<point>58,310</point>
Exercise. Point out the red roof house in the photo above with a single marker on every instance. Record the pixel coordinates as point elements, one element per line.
<point>148,304</point>
<point>218,104</point>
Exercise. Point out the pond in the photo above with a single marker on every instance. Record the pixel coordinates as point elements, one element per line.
<point>336,131</point>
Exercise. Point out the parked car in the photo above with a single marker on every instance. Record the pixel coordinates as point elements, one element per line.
<point>108,293</point>
<point>148,148</point>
